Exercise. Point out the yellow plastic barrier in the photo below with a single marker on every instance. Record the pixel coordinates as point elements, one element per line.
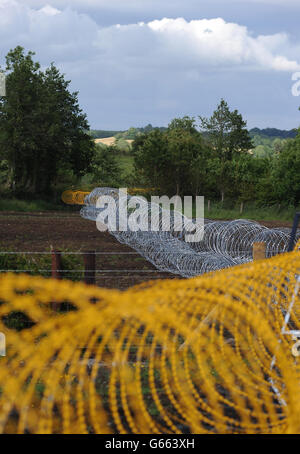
<point>74,197</point>
<point>205,355</point>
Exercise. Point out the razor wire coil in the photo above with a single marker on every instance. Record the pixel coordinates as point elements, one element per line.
<point>179,356</point>
<point>224,243</point>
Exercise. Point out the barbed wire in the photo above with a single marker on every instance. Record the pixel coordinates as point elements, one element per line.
<point>66,253</point>
<point>82,271</point>
<point>214,354</point>
<point>224,244</point>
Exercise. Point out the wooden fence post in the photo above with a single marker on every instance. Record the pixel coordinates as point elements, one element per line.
<point>56,268</point>
<point>89,258</point>
<point>259,251</point>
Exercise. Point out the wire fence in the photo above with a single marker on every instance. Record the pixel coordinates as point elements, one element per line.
<point>109,272</point>
<point>215,354</point>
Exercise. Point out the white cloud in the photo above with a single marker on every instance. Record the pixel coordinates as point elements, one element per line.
<point>198,43</point>
<point>64,34</point>
<point>49,10</point>
<point>148,65</point>
<point>140,4</point>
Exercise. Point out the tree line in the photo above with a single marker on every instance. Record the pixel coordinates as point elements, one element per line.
<point>46,145</point>
<point>215,158</point>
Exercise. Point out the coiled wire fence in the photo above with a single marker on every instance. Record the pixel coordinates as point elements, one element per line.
<point>223,244</point>
<point>213,354</point>
<point>217,353</point>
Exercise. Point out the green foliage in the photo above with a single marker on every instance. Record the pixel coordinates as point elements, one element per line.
<point>247,173</point>
<point>151,157</point>
<point>121,145</point>
<point>186,151</point>
<point>168,159</point>
<point>226,131</point>
<point>101,134</point>
<point>105,168</point>
<point>134,133</point>
<point>221,159</point>
<point>255,211</point>
<point>273,133</point>
<point>227,136</point>
<point>130,134</point>
<point>13,204</point>
<point>4,174</point>
<point>40,264</point>
<point>286,173</point>
<point>42,128</point>
<point>267,146</point>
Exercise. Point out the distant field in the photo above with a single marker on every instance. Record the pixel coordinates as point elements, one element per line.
<point>110,141</point>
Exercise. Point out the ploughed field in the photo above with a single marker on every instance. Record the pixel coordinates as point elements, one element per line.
<point>38,232</point>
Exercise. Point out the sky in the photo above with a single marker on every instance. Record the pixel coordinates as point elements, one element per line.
<point>136,62</point>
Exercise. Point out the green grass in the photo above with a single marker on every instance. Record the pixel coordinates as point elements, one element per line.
<point>252,212</point>
<point>40,264</point>
<point>217,209</point>
<point>29,205</point>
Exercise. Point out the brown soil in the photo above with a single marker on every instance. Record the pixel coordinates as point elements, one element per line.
<point>38,232</point>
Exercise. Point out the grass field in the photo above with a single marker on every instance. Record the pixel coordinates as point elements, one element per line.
<point>217,211</point>
<point>111,140</point>
<point>251,211</point>
<point>14,204</point>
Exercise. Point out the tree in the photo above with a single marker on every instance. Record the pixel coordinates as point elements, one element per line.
<point>168,159</point>
<point>186,152</point>
<point>278,145</point>
<point>139,141</point>
<point>151,157</point>
<point>227,131</point>
<point>247,173</point>
<point>42,128</point>
<point>186,123</point>
<point>105,168</point>
<point>285,176</point>
<point>227,135</point>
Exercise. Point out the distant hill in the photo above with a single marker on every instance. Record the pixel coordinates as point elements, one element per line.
<point>100,134</point>
<point>132,133</point>
<point>273,132</point>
